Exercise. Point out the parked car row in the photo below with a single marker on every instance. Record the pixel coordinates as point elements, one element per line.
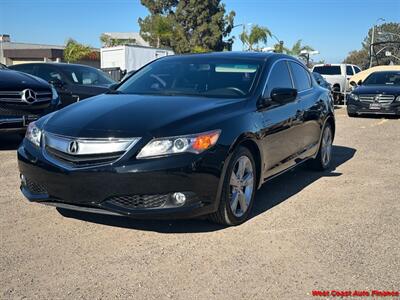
<point>209,128</point>
<point>338,75</point>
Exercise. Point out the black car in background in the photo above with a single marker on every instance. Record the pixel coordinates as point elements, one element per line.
<point>378,94</point>
<point>23,99</point>
<point>73,82</point>
<point>321,81</point>
<point>184,136</point>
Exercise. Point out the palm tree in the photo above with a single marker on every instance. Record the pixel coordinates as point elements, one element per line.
<point>257,35</point>
<point>297,49</point>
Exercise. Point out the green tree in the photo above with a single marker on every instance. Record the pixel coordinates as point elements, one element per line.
<point>256,38</point>
<point>187,25</point>
<point>158,30</point>
<point>388,40</point>
<point>75,51</point>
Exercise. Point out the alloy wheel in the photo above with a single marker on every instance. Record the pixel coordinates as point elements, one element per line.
<point>326,146</point>
<point>241,186</point>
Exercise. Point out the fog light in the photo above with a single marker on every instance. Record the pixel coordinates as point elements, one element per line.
<point>23,179</point>
<point>179,198</point>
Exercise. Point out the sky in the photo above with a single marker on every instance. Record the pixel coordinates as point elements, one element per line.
<point>333,27</point>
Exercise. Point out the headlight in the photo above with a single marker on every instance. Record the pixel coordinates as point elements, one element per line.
<point>398,99</point>
<point>354,97</point>
<point>33,134</point>
<point>195,143</point>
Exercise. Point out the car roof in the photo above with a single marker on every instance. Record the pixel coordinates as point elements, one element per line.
<point>261,56</point>
<point>55,64</point>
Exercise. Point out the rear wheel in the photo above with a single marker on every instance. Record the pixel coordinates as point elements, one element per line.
<point>324,156</point>
<point>238,191</point>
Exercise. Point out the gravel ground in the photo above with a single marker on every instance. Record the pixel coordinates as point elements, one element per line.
<point>310,231</point>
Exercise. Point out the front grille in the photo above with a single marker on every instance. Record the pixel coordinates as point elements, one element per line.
<point>139,201</point>
<point>34,187</point>
<point>382,99</point>
<point>71,152</point>
<point>82,160</point>
<point>7,110</point>
<point>16,96</point>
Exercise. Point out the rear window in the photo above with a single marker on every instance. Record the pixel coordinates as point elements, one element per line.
<point>328,70</point>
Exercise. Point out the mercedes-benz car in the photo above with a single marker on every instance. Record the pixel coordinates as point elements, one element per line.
<point>184,136</point>
<point>378,94</point>
<point>23,99</point>
<point>73,82</point>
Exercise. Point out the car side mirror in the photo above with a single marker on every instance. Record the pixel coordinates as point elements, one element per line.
<point>359,82</point>
<point>56,83</point>
<point>283,95</point>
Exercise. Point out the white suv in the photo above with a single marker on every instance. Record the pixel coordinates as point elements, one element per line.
<point>338,75</point>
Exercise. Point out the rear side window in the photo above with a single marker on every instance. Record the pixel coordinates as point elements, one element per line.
<point>48,73</point>
<point>349,70</point>
<point>23,68</point>
<point>357,69</point>
<point>328,70</point>
<point>302,80</point>
<point>279,77</point>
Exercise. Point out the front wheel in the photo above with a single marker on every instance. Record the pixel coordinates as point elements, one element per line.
<point>238,191</point>
<point>324,156</point>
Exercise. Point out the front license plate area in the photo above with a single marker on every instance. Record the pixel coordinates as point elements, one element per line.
<point>375,106</point>
<point>29,119</point>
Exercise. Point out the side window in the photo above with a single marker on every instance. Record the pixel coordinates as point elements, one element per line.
<point>47,73</point>
<point>356,69</point>
<point>302,80</point>
<point>279,77</point>
<point>349,70</point>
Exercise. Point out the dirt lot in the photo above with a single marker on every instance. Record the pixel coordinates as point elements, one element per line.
<point>334,230</point>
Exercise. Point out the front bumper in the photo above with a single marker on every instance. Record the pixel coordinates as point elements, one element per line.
<point>18,123</point>
<point>358,107</point>
<point>146,187</point>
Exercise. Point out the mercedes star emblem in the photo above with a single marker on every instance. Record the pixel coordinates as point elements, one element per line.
<point>28,96</point>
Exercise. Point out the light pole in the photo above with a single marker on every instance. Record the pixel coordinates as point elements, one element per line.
<point>371,46</point>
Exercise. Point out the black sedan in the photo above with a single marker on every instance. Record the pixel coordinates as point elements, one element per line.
<point>378,94</point>
<point>73,82</point>
<point>184,136</point>
<point>23,99</point>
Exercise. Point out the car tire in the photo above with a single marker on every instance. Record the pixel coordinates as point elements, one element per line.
<point>324,157</point>
<point>237,197</point>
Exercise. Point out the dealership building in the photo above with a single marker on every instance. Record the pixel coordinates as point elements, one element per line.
<point>12,53</point>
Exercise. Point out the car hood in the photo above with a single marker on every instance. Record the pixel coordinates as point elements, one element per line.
<point>378,89</point>
<point>18,81</point>
<point>111,115</point>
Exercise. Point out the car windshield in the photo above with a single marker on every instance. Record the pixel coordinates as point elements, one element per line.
<point>383,78</point>
<point>328,70</point>
<point>188,76</point>
<point>87,76</point>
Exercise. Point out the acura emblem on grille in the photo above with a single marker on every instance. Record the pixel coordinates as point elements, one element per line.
<point>73,147</point>
<point>28,96</point>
